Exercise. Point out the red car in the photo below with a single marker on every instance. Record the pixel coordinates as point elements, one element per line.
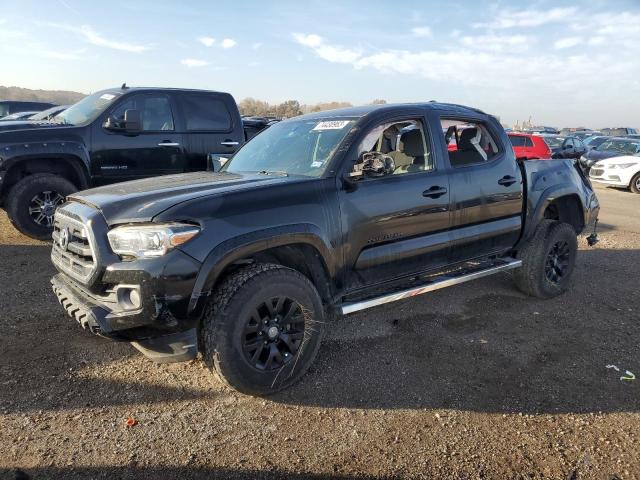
<point>529,147</point>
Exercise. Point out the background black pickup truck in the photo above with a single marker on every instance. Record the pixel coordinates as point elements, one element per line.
<point>111,136</point>
<point>332,212</point>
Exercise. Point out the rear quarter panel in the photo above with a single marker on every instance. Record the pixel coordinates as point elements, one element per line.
<point>548,180</point>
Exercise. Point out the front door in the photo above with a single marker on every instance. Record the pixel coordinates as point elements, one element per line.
<point>156,149</point>
<point>395,220</point>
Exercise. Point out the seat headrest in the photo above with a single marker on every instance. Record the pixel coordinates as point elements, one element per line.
<point>412,143</point>
<point>466,136</point>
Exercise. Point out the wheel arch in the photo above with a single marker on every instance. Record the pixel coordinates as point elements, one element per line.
<point>563,204</point>
<point>300,247</point>
<point>70,164</point>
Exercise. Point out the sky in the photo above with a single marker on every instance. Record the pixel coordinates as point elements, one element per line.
<point>561,63</point>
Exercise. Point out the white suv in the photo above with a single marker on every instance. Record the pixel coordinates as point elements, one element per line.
<point>621,172</point>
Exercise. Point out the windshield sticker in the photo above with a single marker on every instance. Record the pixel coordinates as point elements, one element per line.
<point>107,96</point>
<point>331,125</point>
<point>316,164</point>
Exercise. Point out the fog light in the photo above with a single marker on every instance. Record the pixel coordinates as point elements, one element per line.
<point>129,298</point>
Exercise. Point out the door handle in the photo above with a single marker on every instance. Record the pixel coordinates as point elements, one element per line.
<point>507,181</point>
<point>229,143</point>
<point>434,192</point>
<point>168,144</point>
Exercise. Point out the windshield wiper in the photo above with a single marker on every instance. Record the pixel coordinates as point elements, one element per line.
<point>272,172</point>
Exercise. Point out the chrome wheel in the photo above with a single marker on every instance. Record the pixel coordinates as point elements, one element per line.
<point>43,205</point>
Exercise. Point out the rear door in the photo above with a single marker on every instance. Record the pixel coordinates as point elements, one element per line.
<point>486,189</point>
<point>211,124</point>
<point>156,149</point>
<point>395,223</point>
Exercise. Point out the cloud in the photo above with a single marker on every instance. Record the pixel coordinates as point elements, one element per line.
<point>529,18</point>
<point>207,41</point>
<point>331,53</point>
<point>421,31</point>
<point>487,62</point>
<point>496,43</point>
<point>87,33</point>
<point>596,41</point>
<point>194,62</point>
<point>567,42</point>
<point>256,45</point>
<point>228,43</point>
<point>99,40</point>
<point>58,55</point>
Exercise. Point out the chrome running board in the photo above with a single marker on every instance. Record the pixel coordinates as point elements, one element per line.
<point>443,281</point>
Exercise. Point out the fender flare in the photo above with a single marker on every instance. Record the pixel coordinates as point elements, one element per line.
<point>545,198</point>
<point>242,246</point>
<point>73,152</point>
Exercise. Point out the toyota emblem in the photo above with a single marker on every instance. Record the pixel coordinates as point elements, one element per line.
<point>63,239</point>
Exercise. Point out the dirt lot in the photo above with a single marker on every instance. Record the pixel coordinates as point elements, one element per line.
<point>475,381</point>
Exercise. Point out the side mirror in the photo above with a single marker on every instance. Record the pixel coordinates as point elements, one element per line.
<point>132,122</point>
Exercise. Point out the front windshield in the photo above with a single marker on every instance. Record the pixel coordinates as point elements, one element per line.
<point>620,146</point>
<point>553,142</point>
<point>295,147</point>
<point>87,109</point>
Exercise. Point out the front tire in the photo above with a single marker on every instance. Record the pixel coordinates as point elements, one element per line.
<point>548,260</point>
<point>32,202</point>
<point>262,329</point>
<point>634,186</point>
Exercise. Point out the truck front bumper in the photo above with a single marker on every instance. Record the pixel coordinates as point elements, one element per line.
<point>143,301</point>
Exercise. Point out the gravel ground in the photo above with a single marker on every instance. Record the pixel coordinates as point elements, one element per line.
<point>475,381</point>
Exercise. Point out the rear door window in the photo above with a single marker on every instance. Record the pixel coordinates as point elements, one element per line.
<point>474,143</point>
<point>204,112</point>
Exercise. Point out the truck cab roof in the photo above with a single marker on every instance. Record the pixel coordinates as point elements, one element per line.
<point>364,110</point>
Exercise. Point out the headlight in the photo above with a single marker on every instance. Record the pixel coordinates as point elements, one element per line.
<point>622,165</point>
<point>150,240</point>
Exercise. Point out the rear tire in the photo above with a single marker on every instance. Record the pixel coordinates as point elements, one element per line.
<point>634,186</point>
<point>548,260</point>
<point>262,328</point>
<point>32,201</point>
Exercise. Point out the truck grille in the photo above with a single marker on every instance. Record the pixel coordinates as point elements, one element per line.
<point>72,250</point>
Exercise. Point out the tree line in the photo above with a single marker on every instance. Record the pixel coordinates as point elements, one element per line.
<point>290,108</point>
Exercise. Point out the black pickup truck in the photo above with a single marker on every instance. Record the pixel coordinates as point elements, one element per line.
<point>328,213</point>
<point>111,136</point>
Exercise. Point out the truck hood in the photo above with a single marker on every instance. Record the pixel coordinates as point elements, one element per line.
<point>19,132</point>
<point>142,200</point>
<point>24,124</point>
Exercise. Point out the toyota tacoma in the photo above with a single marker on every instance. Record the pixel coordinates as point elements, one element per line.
<point>320,215</point>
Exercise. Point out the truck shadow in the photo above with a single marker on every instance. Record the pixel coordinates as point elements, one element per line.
<point>170,473</point>
<point>485,347</point>
<point>480,346</point>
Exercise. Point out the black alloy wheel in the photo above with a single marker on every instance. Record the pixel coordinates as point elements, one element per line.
<point>273,333</point>
<point>557,263</point>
